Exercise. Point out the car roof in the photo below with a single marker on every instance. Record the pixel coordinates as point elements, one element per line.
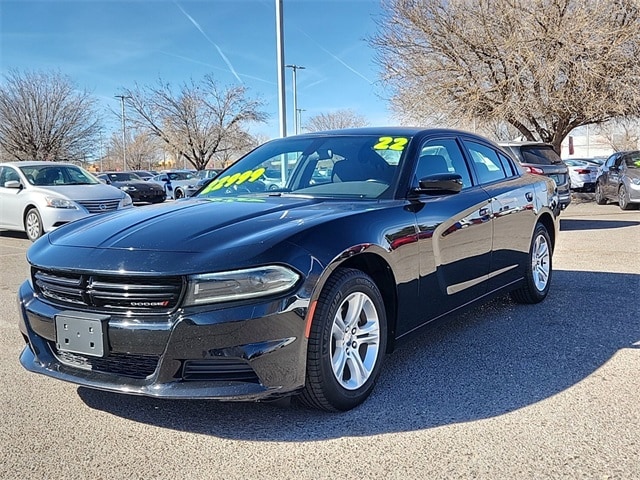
<point>37,163</point>
<point>395,130</point>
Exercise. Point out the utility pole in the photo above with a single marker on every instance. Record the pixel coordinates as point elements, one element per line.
<point>282,101</point>
<point>296,124</point>
<point>124,133</point>
<point>299,117</point>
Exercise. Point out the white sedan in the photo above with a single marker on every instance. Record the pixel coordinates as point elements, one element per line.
<point>582,175</point>
<point>37,197</point>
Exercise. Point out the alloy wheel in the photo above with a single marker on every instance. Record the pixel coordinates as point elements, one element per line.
<point>540,263</point>
<point>355,341</point>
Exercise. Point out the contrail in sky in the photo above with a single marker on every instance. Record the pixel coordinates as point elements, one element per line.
<point>224,57</point>
<point>335,56</point>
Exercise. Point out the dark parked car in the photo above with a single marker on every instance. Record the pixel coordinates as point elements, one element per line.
<point>619,180</point>
<point>144,174</point>
<point>542,159</point>
<point>245,293</point>
<point>138,189</point>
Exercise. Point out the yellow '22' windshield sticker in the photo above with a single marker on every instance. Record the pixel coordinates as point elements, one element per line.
<point>235,179</point>
<point>391,143</point>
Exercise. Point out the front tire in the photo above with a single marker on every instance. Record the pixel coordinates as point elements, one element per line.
<point>623,199</point>
<point>33,224</point>
<point>178,194</point>
<point>539,269</point>
<point>599,195</point>
<point>347,342</point>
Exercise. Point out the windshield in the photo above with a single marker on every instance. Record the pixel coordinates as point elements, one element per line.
<point>632,160</point>
<point>341,166</point>
<point>181,176</point>
<point>58,175</point>
<point>123,177</point>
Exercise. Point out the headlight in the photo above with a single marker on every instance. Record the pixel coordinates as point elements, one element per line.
<point>239,284</point>
<point>126,201</point>
<point>128,188</point>
<point>57,202</point>
<point>635,181</point>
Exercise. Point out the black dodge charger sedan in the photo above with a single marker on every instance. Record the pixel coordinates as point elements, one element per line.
<point>246,293</point>
<point>138,189</point>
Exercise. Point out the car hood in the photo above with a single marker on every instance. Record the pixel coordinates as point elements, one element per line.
<point>96,191</point>
<point>186,236</point>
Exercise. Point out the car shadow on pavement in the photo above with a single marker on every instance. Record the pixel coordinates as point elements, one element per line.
<point>489,361</point>
<point>568,224</point>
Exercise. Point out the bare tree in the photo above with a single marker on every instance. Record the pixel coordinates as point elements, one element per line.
<point>236,146</point>
<point>543,66</point>
<point>345,118</point>
<point>43,116</point>
<point>623,134</point>
<point>143,150</point>
<point>197,121</point>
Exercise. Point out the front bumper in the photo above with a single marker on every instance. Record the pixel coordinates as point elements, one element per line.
<point>634,192</point>
<point>245,352</point>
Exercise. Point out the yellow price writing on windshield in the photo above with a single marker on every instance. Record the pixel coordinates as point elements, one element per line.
<point>391,143</point>
<point>235,179</point>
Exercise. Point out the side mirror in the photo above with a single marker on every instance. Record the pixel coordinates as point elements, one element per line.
<point>440,183</point>
<point>13,184</point>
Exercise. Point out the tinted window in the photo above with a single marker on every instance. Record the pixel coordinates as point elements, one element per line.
<point>486,162</point>
<point>632,160</point>
<point>8,174</point>
<point>508,166</point>
<point>442,156</point>
<point>539,155</point>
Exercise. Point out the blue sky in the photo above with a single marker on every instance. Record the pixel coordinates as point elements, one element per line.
<point>105,45</point>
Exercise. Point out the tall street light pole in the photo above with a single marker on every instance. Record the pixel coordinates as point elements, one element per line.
<point>282,102</point>
<point>299,117</point>
<point>296,124</point>
<point>124,133</point>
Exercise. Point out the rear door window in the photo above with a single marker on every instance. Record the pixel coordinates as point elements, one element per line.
<point>540,155</point>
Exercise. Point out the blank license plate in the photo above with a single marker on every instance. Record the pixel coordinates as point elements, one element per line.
<point>83,333</point>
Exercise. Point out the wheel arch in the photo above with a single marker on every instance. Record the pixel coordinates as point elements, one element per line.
<point>547,220</point>
<point>381,273</point>
<point>28,207</point>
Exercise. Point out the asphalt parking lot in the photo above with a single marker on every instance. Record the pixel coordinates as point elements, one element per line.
<point>503,391</point>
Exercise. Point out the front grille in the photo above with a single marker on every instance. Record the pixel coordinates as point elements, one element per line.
<point>100,206</point>
<point>219,369</point>
<point>134,366</point>
<point>108,292</point>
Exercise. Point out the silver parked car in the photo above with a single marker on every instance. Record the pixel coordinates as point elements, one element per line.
<point>177,183</point>
<point>619,180</point>
<point>37,197</point>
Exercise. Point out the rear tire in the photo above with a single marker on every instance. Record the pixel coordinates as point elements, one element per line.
<point>33,224</point>
<point>347,342</point>
<point>539,269</point>
<point>599,195</point>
